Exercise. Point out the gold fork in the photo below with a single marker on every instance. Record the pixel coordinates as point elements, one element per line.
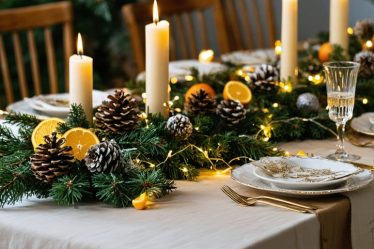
<point>252,202</point>
<point>269,198</point>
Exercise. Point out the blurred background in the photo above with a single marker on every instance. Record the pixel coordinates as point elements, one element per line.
<point>107,41</point>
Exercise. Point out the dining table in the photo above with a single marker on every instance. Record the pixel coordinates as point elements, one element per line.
<point>199,215</point>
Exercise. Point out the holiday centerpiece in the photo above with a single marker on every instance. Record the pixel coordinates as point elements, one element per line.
<point>215,121</point>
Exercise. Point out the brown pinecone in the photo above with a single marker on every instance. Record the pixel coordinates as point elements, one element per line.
<point>119,113</point>
<point>231,111</point>
<point>366,60</point>
<point>200,103</point>
<point>364,29</point>
<point>51,159</point>
<point>264,78</point>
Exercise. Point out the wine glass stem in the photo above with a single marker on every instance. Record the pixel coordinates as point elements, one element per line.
<point>341,129</point>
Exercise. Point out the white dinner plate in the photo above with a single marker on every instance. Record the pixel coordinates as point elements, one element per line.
<point>261,56</point>
<point>245,176</point>
<point>336,177</point>
<point>182,68</point>
<point>27,106</point>
<point>363,125</point>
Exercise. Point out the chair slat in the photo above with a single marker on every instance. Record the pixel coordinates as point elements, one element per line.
<point>191,35</point>
<point>34,62</point>
<point>246,23</point>
<point>52,71</point>
<point>20,66</point>
<point>204,31</point>
<point>271,21</point>
<point>68,50</point>
<point>5,72</point>
<point>234,23</point>
<point>181,36</point>
<point>259,32</point>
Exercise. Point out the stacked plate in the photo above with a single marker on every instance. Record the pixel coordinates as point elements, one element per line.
<point>302,177</point>
<point>51,105</point>
<point>364,124</point>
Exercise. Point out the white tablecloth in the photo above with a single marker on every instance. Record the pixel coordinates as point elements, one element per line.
<point>197,215</point>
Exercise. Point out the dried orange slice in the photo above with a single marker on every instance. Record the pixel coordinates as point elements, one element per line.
<point>80,140</point>
<point>235,90</point>
<point>44,128</point>
<point>196,88</point>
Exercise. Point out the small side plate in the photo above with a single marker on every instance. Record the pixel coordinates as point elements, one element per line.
<point>363,125</point>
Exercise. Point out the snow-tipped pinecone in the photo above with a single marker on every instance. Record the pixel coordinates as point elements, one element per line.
<point>231,111</point>
<point>51,159</point>
<point>364,29</point>
<point>264,78</point>
<point>366,60</point>
<point>118,113</point>
<point>179,126</point>
<point>103,157</point>
<point>200,103</point>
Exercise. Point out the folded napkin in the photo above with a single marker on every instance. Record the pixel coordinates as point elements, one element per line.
<point>362,217</point>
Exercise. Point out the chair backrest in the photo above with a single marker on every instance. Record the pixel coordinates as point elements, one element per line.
<point>185,37</point>
<point>251,23</point>
<point>27,19</point>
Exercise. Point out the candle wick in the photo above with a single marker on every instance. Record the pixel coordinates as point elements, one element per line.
<point>80,54</point>
<point>156,22</point>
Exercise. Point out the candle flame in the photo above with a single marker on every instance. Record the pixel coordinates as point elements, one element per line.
<point>155,12</point>
<point>79,44</point>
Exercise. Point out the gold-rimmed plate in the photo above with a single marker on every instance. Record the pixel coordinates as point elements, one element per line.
<point>245,176</point>
<point>362,124</point>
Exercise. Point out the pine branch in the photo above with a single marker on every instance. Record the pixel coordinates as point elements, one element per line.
<point>9,143</point>
<point>69,190</point>
<point>22,120</point>
<point>153,182</point>
<point>111,189</point>
<point>76,118</point>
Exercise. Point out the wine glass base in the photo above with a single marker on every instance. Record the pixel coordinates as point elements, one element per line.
<point>343,157</point>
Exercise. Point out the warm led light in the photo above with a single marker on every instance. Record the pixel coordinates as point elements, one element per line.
<point>206,56</point>
<point>174,80</point>
<point>365,101</point>
<point>286,86</point>
<point>350,31</point>
<point>369,44</point>
<point>286,153</point>
<point>188,78</point>
<point>184,169</point>
<point>316,79</point>
<point>275,105</point>
<point>79,44</point>
<point>155,12</point>
<point>278,47</point>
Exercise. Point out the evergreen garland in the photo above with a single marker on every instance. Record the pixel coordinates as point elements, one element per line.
<point>154,157</point>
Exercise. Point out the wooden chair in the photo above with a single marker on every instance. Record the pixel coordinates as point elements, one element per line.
<point>183,33</point>
<point>250,22</point>
<point>27,19</point>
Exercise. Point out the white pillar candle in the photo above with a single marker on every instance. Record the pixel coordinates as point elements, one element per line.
<point>339,16</point>
<point>157,64</point>
<point>80,80</point>
<point>289,40</point>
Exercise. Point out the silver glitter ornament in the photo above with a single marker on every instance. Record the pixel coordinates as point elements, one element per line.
<point>308,102</point>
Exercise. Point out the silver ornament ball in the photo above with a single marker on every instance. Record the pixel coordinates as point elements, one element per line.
<point>308,102</point>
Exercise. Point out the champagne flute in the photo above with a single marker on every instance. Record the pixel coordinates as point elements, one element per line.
<point>341,87</point>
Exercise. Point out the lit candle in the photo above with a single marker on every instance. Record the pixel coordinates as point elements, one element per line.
<point>80,80</point>
<point>289,41</point>
<point>206,56</point>
<point>157,64</point>
<point>339,22</point>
